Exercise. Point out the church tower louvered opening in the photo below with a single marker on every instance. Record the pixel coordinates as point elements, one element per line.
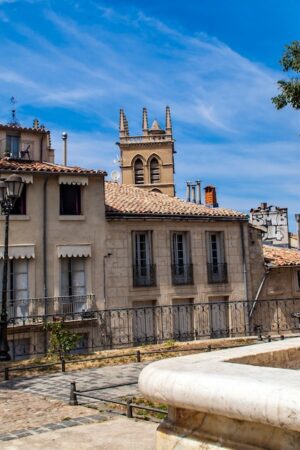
<point>147,160</point>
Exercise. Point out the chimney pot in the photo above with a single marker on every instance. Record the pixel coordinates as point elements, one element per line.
<point>211,197</point>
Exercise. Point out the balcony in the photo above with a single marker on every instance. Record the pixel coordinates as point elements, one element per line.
<point>16,148</point>
<point>217,273</point>
<point>76,305</point>
<point>182,274</point>
<point>144,275</point>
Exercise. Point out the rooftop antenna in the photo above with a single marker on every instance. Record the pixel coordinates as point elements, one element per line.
<point>64,136</point>
<point>13,121</point>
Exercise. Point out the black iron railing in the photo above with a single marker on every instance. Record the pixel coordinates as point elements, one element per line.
<point>217,273</point>
<point>40,306</point>
<point>124,327</point>
<point>182,274</point>
<point>144,275</point>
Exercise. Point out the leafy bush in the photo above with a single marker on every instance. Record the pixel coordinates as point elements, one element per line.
<point>61,339</point>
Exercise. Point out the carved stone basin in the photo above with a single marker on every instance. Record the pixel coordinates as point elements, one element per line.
<point>243,398</point>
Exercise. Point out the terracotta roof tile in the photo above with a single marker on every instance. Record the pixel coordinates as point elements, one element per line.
<point>26,129</point>
<point>11,165</point>
<point>126,200</point>
<point>281,257</point>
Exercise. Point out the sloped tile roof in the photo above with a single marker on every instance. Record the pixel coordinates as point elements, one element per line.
<point>281,257</point>
<point>14,127</point>
<point>13,165</point>
<point>127,200</point>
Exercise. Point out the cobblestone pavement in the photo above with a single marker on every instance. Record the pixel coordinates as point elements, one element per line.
<point>24,414</point>
<point>39,404</point>
<point>58,385</point>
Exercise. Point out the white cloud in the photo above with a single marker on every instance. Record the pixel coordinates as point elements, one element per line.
<point>131,60</point>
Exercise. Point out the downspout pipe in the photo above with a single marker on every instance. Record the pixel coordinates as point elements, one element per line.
<point>44,247</point>
<point>259,291</point>
<point>245,275</point>
<point>44,244</point>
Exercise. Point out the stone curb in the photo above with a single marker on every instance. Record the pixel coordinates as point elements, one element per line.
<point>84,420</point>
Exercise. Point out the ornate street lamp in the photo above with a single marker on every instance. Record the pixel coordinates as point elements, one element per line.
<point>10,191</point>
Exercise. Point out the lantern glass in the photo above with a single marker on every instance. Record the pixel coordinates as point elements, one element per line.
<point>2,190</point>
<point>14,185</point>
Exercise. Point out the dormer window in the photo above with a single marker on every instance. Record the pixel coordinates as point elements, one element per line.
<point>70,200</point>
<point>13,146</point>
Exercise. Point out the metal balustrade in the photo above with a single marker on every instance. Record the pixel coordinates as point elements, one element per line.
<point>123,327</point>
<point>217,273</point>
<point>182,274</point>
<point>144,275</point>
<point>22,308</point>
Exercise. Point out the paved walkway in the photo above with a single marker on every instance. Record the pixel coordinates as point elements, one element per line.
<point>116,434</point>
<point>58,385</point>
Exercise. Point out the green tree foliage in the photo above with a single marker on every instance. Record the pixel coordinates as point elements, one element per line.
<point>290,88</point>
<point>61,339</point>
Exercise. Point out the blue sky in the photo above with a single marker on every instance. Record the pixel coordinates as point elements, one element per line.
<point>73,64</point>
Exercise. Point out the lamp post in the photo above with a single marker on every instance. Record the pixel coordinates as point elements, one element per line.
<point>10,191</point>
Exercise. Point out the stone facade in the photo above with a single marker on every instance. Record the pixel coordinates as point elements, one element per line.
<point>119,287</point>
<point>147,161</point>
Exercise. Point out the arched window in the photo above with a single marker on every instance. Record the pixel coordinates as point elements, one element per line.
<point>154,171</point>
<point>158,191</point>
<point>138,172</point>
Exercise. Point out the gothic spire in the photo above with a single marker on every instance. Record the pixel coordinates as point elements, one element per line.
<point>123,124</point>
<point>168,121</point>
<point>145,125</point>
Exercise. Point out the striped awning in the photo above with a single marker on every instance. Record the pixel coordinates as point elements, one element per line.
<point>18,252</point>
<point>73,179</point>
<point>69,251</point>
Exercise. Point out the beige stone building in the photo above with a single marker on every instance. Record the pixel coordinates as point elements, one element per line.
<point>165,253</point>
<point>122,264</point>
<point>57,232</point>
<point>147,160</point>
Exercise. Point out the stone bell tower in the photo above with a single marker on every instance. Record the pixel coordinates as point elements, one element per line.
<point>147,161</point>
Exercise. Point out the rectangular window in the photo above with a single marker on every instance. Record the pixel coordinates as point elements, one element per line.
<point>144,328</point>
<point>143,269</point>
<point>182,269</point>
<point>13,146</point>
<point>70,199</point>
<point>20,204</point>
<point>219,317</point>
<point>182,319</point>
<point>73,285</point>
<point>17,287</point>
<point>216,266</point>
<point>298,280</point>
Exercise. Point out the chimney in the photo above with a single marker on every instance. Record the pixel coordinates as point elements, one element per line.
<point>263,206</point>
<point>297,217</point>
<point>193,193</point>
<point>188,191</point>
<point>36,124</point>
<point>64,137</point>
<point>198,194</point>
<point>210,197</point>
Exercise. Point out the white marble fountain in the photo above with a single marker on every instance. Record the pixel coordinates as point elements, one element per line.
<point>243,398</point>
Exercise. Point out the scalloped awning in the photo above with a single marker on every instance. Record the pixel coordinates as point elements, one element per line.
<point>76,251</point>
<point>73,179</point>
<point>18,252</point>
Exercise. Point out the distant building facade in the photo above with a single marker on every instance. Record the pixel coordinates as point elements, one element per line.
<point>147,160</point>
<point>274,223</point>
